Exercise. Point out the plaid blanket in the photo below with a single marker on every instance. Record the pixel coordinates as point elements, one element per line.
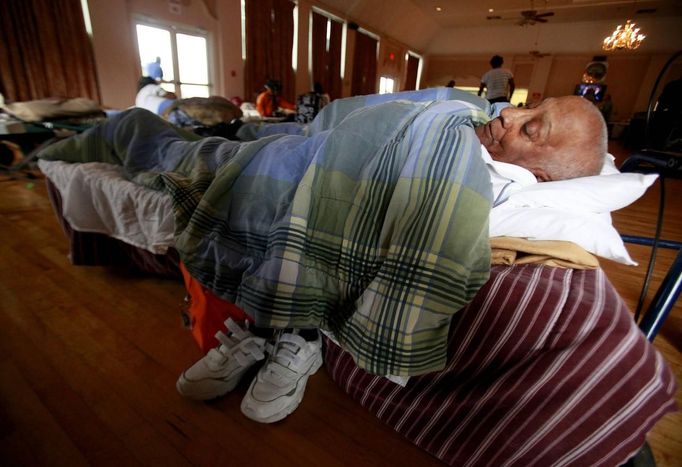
<point>375,229</point>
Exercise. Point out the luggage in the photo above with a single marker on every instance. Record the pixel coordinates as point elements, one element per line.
<point>307,107</point>
<point>205,313</point>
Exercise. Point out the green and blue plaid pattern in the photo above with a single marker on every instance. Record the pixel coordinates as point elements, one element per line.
<point>375,229</point>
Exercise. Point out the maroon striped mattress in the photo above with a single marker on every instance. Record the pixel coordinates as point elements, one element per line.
<point>546,367</point>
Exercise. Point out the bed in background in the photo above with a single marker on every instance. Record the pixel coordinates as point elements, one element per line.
<point>545,365</point>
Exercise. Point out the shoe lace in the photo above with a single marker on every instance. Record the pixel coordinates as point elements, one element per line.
<point>240,346</point>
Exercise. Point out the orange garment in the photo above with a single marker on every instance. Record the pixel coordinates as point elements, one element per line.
<point>265,104</point>
<point>206,312</point>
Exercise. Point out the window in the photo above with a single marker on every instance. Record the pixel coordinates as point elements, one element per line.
<point>183,58</point>
<point>519,97</point>
<point>386,85</point>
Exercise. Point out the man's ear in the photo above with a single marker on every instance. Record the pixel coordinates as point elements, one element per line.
<point>541,174</point>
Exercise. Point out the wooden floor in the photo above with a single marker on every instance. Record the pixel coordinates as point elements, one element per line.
<point>89,359</point>
<point>640,219</point>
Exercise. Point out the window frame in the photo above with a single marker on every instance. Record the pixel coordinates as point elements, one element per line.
<point>174,29</point>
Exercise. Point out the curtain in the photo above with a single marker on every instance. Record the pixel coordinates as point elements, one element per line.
<point>45,51</point>
<point>411,78</point>
<point>327,62</point>
<point>269,43</point>
<point>364,65</point>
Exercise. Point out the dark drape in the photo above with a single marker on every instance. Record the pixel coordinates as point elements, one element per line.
<point>45,51</point>
<point>327,62</point>
<point>411,78</point>
<point>364,65</point>
<point>269,42</point>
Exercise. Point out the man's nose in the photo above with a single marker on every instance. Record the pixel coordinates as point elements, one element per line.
<point>508,115</point>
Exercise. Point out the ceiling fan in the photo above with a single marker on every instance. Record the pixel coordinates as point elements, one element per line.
<point>530,17</point>
<point>537,54</point>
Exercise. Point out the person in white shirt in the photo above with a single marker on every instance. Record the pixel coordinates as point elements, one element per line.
<point>151,96</point>
<point>499,82</point>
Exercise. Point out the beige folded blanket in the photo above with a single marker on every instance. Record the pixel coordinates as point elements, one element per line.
<point>45,109</point>
<point>209,111</point>
<point>558,253</point>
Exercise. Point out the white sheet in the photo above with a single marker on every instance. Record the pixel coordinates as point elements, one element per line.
<point>96,197</point>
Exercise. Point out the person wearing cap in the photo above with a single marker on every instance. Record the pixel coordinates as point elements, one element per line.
<point>154,70</point>
<point>269,103</point>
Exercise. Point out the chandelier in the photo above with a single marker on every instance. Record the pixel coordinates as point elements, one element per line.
<point>627,37</point>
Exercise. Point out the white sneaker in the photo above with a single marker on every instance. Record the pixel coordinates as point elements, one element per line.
<point>279,386</point>
<point>219,371</point>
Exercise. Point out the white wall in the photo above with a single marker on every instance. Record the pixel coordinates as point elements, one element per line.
<point>663,35</point>
<point>115,47</point>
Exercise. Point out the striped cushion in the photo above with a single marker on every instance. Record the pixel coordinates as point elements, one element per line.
<point>546,366</point>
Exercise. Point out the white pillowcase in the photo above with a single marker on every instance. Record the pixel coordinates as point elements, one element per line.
<point>597,194</point>
<point>591,231</point>
<point>576,210</point>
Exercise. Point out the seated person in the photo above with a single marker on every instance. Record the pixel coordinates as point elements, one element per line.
<point>309,105</point>
<point>151,96</point>
<point>269,102</point>
<point>319,229</point>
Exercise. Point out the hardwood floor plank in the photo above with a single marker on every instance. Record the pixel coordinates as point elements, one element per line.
<point>639,219</point>
<point>110,357</point>
<point>39,436</point>
<point>108,409</point>
<point>97,443</point>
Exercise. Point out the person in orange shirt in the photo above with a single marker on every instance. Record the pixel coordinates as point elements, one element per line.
<point>270,104</point>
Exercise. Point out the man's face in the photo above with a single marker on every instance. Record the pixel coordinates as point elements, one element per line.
<point>525,136</point>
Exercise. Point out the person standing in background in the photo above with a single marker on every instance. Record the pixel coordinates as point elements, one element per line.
<point>606,108</point>
<point>498,82</point>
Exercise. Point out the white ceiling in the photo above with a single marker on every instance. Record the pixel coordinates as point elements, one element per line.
<point>473,13</point>
<point>466,13</point>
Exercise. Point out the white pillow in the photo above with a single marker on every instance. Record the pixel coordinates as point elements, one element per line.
<point>576,210</point>
<point>600,193</point>
<point>591,231</point>
<point>609,166</point>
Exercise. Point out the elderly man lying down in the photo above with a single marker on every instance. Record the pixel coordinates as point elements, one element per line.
<point>374,226</point>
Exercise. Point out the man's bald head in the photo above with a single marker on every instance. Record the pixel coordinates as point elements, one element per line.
<point>560,138</point>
